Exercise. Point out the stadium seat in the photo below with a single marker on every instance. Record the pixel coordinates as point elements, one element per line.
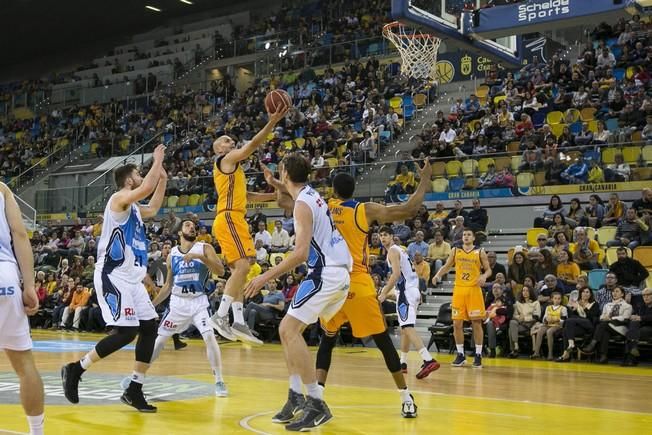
<point>630,72</point>
<point>483,164</point>
<point>332,162</point>
<point>469,167</point>
<point>438,169</point>
<point>587,114</point>
<point>604,234</point>
<point>471,183</point>
<point>482,92</point>
<point>574,113</point>
<point>395,102</point>
<point>524,179</point>
<point>499,98</point>
<point>408,112</point>
<point>439,185</point>
<point>593,126</point>
<point>539,178</point>
<point>642,174</point>
<point>516,162</point>
<point>172,201</point>
<point>554,117</point>
<point>609,155</point>
<point>455,184</point>
<point>193,199</point>
<point>532,235</point>
<point>183,201</point>
<point>300,142</point>
<point>592,155</point>
<point>612,124</point>
<point>273,257</point>
<point>632,155</point>
<point>513,147</point>
<point>420,101</point>
<point>644,255</point>
<point>619,74</point>
<point>612,255</point>
<point>453,168</point>
<point>596,278</point>
<point>637,137</point>
<point>575,128</point>
<point>503,162</point>
<point>557,129</point>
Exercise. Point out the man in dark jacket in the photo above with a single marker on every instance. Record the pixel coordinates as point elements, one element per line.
<point>640,327</point>
<point>629,272</point>
<point>477,218</point>
<point>495,266</point>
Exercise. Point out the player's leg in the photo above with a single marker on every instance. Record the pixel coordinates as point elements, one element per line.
<point>476,312</point>
<point>328,341</point>
<point>458,308</point>
<point>31,388</point>
<point>405,350</point>
<point>429,363</point>
<point>200,319</point>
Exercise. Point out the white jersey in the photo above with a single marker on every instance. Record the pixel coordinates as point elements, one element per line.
<point>327,247</point>
<point>409,278</point>
<point>188,279</point>
<point>6,244</point>
<point>122,249</point>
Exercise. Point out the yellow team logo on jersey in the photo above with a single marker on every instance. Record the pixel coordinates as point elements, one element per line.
<point>445,71</point>
<point>466,65</point>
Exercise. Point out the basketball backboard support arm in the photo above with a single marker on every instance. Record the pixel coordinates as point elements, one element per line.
<point>403,10</point>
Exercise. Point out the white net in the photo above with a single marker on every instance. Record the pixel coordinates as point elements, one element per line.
<point>418,50</point>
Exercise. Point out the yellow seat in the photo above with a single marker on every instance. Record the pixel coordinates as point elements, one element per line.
<point>644,256</point>
<point>499,98</point>
<point>593,126</point>
<point>419,101</point>
<point>605,234</point>
<point>332,162</point>
<point>471,183</point>
<point>590,232</point>
<point>183,201</point>
<point>539,178</point>
<point>300,142</point>
<point>609,155</point>
<point>647,154</point>
<point>642,174</point>
<point>482,92</point>
<point>516,162</point>
<point>469,167</point>
<point>273,257</point>
<point>453,168</point>
<point>207,109</point>
<point>631,155</point>
<point>612,255</point>
<point>172,201</point>
<point>124,144</point>
<point>637,137</point>
<point>483,164</point>
<point>532,235</point>
<point>270,226</point>
<point>574,114</point>
<point>270,136</point>
<point>193,199</point>
<point>440,185</point>
<point>438,169</point>
<point>503,162</point>
<point>287,144</point>
<point>587,114</point>
<point>94,147</point>
<point>630,72</point>
<point>648,281</point>
<point>525,179</point>
<point>555,117</point>
<point>557,129</point>
<point>395,102</point>
<point>513,147</point>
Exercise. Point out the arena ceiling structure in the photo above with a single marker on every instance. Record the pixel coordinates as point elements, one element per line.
<point>44,34</point>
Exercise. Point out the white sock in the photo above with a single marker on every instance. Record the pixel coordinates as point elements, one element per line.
<point>138,377</point>
<point>238,313</point>
<point>404,357</point>
<point>405,395</point>
<point>295,384</point>
<point>86,361</point>
<point>214,355</point>
<point>460,348</point>
<point>314,391</point>
<point>36,423</point>
<point>478,349</point>
<point>225,304</point>
<point>571,343</point>
<point>425,355</point>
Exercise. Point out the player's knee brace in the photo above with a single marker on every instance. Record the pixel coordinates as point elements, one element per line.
<point>325,351</point>
<point>121,336</point>
<point>384,343</point>
<point>146,339</point>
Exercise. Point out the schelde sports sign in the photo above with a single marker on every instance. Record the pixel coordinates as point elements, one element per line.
<point>529,12</point>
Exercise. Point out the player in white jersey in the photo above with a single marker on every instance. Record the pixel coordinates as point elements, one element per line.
<point>320,295</point>
<point>16,261</point>
<point>119,272</point>
<point>406,281</point>
<point>189,266</point>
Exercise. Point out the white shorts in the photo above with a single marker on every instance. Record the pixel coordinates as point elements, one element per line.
<point>406,306</point>
<point>320,295</point>
<point>123,303</point>
<point>14,326</point>
<point>184,311</point>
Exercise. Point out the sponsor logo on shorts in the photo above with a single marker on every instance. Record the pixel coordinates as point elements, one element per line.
<point>130,314</point>
<point>167,324</point>
<point>475,313</point>
<point>455,311</point>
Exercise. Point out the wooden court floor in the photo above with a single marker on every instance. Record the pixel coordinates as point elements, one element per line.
<point>505,397</point>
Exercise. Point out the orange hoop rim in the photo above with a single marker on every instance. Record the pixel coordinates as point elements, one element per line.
<point>390,27</point>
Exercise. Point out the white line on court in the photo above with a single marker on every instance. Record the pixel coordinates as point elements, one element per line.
<point>3,431</point>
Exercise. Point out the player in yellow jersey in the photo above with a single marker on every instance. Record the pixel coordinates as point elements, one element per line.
<point>362,309</point>
<point>471,272</point>
<point>230,227</point>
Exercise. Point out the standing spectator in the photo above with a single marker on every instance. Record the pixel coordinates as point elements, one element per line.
<point>417,246</point>
<point>439,251</point>
<point>553,319</point>
<point>640,326</point>
<point>614,318</point>
<point>263,235</point>
<point>583,315</point>
<point>280,238</point>
<point>630,231</point>
<point>614,211</point>
<point>527,311</point>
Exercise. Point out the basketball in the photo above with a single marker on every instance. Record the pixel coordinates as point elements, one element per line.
<point>275,98</point>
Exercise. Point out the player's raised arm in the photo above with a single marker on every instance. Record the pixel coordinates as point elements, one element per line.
<point>283,197</point>
<point>22,249</point>
<point>235,156</point>
<point>260,197</point>
<point>446,267</point>
<point>391,213</point>
<point>395,261</point>
<point>124,198</point>
<point>303,231</point>
<point>167,287</point>
<point>155,203</point>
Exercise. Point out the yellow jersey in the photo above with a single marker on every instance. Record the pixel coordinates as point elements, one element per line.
<point>231,189</point>
<point>467,267</point>
<point>350,219</point>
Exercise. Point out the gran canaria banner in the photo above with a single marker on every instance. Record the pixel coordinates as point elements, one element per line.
<point>585,188</point>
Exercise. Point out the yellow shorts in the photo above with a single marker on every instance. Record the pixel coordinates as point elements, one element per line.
<point>467,303</point>
<point>361,309</point>
<point>232,233</point>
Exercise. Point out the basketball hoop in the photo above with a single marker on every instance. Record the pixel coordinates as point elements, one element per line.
<point>418,50</point>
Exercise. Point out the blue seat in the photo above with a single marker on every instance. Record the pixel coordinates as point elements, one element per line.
<point>592,155</point>
<point>612,124</point>
<point>576,127</point>
<point>385,137</point>
<point>616,51</point>
<point>619,74</point>
<point>408,111</point>
<point>538,119</point>
<point>597,278</point>
<point>299,132</point>
<point>456,184</point>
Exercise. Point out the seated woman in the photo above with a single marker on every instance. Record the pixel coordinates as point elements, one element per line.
<point>583,315</point>
<point>553,319</point>
<point>567,272</point>
<point>544,265</point>
<point>555,206</point>
<point>559,225</point>
<point>527,311</point>
<point>518,270</point>
<point>498,314</point>
<point>560,244</point>
<point>595,211</point>
<point>576,215</point>
<point>615,210</point>
<point>614,319</point>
